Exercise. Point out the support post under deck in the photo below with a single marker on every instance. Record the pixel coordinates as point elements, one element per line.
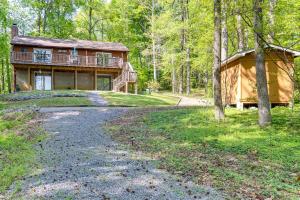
<point>95,79</point>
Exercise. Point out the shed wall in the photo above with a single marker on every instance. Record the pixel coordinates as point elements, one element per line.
<point>280,86</point>
<point>229,81</point>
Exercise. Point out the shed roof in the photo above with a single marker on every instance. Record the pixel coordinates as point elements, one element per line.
<point>244,53</point>
<point>67,43</point>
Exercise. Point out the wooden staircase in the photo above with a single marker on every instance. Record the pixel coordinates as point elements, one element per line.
<point>128,76</point>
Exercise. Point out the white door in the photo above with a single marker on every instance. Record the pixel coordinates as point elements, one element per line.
<point>39,82</point>
<point>47,83</point>
<point>42,82</point>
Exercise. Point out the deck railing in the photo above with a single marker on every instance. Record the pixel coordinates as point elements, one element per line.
<point>65,60</point>
<point>128,75</point>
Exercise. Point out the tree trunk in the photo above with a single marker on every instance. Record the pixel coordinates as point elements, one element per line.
<point>181,80</point>
<point>224,52</point>
<point>8,78</point>
<point>153,42</point>
<point>206,82</point>
<point>188,61</point>
<point>90,20</point>
<point>271,34</point>
<point>219,112</point>
<point>39,21</point>
<point>44,20</point>
<point>182,45</point>
<point>240,35</point>
<point>173,76</point>
<point>261,79</point>
<point>2,77</point>
<point>188,72</point>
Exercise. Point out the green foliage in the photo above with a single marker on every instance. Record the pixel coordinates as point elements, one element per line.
<point>16,147</point>
<point>153,85</point>
<point>130,22</point>
<point>236,155</point>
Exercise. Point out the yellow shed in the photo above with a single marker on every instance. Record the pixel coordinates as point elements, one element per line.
<point>238,76</point>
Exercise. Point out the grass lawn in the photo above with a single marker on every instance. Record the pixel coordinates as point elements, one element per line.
<point>48,102</point>
<point>234,156</point>
<point>16,146</point>
<point>155,99</point>
<point>44,99</point>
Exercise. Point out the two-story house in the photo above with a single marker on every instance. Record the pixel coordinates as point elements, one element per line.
<point>54,64</point>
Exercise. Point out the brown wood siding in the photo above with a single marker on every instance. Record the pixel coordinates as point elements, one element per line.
<point>279,67</point>
<point>64,80</point>
<point>229,82</point>
<point>280,86</point>
<point>85,80</point>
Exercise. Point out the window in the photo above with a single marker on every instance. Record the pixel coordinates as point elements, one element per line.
<point>23,50</point>
<point>62,51</point>
<point>74,53</point>
<point>104,59</point>
<point>42,55</point>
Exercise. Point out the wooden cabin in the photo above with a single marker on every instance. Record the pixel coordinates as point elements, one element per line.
<point>238,77</point>
<point>55,64</point>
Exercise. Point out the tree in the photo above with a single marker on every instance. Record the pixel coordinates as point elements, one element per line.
<point>261,79</point>
<point>240,34</point>
<point>224,51</point>
<point>153,41</point>
<point>219,112</point>
<point>271,34</point>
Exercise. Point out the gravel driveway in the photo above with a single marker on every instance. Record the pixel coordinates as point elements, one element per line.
<point>79,161</point>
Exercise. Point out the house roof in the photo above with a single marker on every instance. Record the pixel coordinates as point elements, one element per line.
<point>244,53</point>
<point>67,43</point>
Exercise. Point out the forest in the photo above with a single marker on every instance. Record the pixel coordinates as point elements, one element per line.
<point>71,143</point>
<point>170,41</point>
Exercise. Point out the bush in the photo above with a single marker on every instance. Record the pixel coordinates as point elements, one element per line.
<point>153,85</point>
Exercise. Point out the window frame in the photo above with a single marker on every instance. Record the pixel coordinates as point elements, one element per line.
<point>45,59</point>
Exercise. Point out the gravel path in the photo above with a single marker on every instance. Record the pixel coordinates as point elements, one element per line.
<point>79,161</point>
<point>96,99</point>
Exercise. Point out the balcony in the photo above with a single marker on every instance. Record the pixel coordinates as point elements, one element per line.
<point>65,60</point>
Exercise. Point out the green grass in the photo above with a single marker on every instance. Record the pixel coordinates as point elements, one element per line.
<point>44,99</point>
<point>40,94</point>
<point>48,102</point>
<point>155,99</point>
<point>16,147</point>
<point>235,156</point>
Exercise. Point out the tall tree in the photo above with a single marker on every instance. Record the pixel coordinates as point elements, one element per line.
<point>271,34</point>
<point>153,41</point>
<point>224,51</point>
<point>240,34</point>
<point>261,79</point>
<point>188,50</point>
<point>219,112</point>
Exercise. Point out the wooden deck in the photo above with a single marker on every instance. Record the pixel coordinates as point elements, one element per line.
<point>64,60</point>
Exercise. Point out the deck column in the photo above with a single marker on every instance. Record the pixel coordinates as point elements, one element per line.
<point>126,87</point>
<point>135,88</point>
<point>15,79</point>
<point>52,78</point>
<point>29,78</point>
<point>95,80</point>
<point>75,81</point>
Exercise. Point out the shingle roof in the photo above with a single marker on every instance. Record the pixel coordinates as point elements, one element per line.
<point>244,53</point>
<point>64,43</point>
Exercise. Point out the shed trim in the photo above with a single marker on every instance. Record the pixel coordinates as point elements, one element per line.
<point>244,53</point>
